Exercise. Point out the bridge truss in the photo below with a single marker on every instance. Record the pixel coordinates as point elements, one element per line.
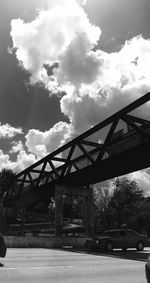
<point>100,143</point>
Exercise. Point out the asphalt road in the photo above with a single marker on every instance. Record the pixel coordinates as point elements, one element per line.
<point>68,266</point>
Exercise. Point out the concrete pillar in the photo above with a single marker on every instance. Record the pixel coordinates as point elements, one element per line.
<point>89,204</point>
<point>58,210</point>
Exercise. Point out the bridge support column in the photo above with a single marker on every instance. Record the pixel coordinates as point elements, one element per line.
<point>89,212</point>
<point>58,210</point>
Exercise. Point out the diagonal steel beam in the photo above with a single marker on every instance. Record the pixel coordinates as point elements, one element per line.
<point>41,173</point>
<point>54,169</point>
<point>107,140</point>
<point>137,128</point>
<point>30,178</point>
<point>67,160</point>
<point>89,157</point>
<point>76,167</point>
<point>138,120</point>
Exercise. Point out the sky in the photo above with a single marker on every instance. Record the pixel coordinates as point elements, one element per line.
<point>66,65</point>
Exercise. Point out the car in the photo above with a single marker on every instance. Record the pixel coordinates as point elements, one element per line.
<point>118,239</point>
<point>147,269</point>
<point>73,229</point>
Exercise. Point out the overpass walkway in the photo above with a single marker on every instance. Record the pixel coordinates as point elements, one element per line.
<point>116,146</point>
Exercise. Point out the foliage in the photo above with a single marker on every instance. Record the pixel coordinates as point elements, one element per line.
<point>102,195</point>
<point>121,203</point>
<point>143,219</point>
<point>126,202</point>
<point>8,189</point>
<point>8,184</point>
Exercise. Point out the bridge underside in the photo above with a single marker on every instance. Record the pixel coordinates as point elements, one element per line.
<point>126,162</point>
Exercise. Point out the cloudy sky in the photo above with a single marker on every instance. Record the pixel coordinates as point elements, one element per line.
<point>65,66</point>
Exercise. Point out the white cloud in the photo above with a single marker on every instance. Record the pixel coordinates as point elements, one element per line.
<point>97,83</point>
<point>38,145</point>
<point>46,39</point>
<point>4,161</point>
<point>41,143</point>
<point>7,131</point>
<point>24,160</point>
<point>123,77</point>
<point>78,64</point>
<point>16,146</point>
<point>82,2</point>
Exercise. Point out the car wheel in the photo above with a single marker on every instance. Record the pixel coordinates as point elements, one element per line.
<point>140,246</point>
<point>109,246</point>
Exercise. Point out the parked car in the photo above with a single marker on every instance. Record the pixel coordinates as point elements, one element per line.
<point>73,229</point>
<point>118,239</point>
<point>147,269</point>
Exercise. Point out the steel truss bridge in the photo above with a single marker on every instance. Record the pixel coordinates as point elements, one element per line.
<point>114,147</point>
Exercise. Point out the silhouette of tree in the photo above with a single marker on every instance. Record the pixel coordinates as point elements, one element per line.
<point>126,201</point>
<point>8,185</point>
<point>121,203</point>
<point>8,189</point>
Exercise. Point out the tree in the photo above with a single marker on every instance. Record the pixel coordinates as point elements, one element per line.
<point>8,189</point>
<point>102,196</point>
<point>143,220</point>
<point>126,202</point>
<point>8,185</point>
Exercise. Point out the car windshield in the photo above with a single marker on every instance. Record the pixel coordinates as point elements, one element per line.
<point>118,233</point>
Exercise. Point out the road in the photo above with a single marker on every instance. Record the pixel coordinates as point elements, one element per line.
<point>68,266</point>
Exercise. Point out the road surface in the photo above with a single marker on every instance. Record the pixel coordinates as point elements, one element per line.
<point>68,266</point>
